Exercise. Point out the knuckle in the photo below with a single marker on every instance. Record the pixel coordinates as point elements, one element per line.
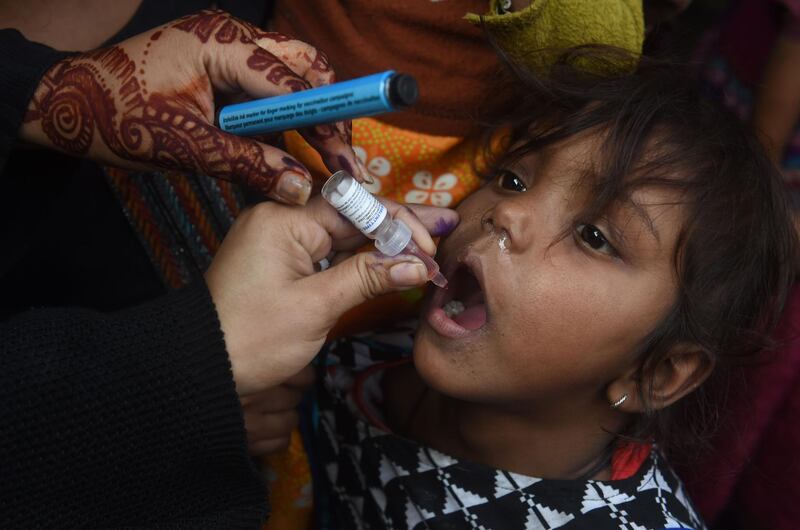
<point>304,378</point>
<point>407,215</point>
<point>410,213</point>
<point>255,431</point>
<point>293,398</point>
<point>285,421</point>
<point>371,275</point>
<point>280,445</point>
<point>272,425</point>
<point>265,210</point>
<point>280,424</point>
<point>292,420</point>
<point>269,446</point>
<point>280,402</point>
<point>250,420</point>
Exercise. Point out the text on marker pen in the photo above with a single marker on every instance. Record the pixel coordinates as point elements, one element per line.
<point>346,100</point>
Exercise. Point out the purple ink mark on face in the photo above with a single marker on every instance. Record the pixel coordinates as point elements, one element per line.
<point>344,164</point>
<point>443,227</point>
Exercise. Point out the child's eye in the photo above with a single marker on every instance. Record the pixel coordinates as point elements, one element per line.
<point>508,180</point>
<point>595,239</point>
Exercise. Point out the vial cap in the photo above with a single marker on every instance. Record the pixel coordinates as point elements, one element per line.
<point>403,90</point>
<point>336,187</point>
<point>396,240</point>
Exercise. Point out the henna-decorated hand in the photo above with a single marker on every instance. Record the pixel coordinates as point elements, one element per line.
<point>149,102</point>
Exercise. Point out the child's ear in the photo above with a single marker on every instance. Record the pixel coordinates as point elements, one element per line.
<point>676,374</point>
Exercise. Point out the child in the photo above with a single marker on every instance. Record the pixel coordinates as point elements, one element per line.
<point>630,241</point>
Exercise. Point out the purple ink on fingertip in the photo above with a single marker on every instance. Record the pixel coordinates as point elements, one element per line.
<point>291,162</point>
<point>443,227</point>
<point>344,163</point>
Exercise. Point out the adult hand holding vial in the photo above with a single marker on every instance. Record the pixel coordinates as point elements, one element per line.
<point>370,216</point>
<point>275,309</point>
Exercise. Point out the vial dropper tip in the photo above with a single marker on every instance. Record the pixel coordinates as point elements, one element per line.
<point>439,280</point>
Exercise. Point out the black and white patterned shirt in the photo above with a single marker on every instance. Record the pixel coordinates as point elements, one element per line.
<point>376,479</point>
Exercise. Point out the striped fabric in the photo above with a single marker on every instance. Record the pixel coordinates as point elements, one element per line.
<point>180,219</point>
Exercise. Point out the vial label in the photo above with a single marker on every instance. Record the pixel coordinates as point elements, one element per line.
<point>364,210</point>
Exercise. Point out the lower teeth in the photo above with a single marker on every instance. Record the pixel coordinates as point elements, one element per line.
<point>453,308</point>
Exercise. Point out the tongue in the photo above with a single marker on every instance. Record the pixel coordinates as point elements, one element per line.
<point>472,317</point>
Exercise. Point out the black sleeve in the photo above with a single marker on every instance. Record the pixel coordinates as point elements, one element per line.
<point>153,13</point>
<point>22,65</point>
<point>123,419</point>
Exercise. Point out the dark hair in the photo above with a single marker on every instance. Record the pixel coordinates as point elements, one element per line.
<point>736,253</point>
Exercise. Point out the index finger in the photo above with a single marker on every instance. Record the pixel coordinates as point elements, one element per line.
<point>305,60</point>
<point>422,220</point>
<point>333,141</point>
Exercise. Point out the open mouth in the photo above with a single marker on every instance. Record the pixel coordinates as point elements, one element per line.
<point>461,308</point>
<point>466,305</point>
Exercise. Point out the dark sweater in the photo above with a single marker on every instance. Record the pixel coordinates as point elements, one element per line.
<point>123,419</point>
<point>117,402</point>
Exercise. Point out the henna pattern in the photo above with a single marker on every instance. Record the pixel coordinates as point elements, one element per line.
<point>223,28</point>
<point>66,116</point>
<point>103,94</point>
<point>207,23</point>
<point>73,101</point>
<point>321,64</point>
<point>212,23</point>
<point>277,72</point>
<point>274,36</point>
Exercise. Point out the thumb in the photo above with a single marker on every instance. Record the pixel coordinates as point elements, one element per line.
<point>362,277</point>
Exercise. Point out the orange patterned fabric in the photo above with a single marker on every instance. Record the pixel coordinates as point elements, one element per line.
<point>290,494</point>
<point>408,167</point>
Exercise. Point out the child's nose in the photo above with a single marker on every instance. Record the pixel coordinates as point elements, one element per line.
<point>513,217</point>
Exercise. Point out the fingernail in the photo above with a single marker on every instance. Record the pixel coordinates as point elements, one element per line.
<point>365,172</point>
<point>292,188</point>
<point>408,274</point>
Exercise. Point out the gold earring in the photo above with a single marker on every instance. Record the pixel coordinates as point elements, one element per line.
<point>619,402</point>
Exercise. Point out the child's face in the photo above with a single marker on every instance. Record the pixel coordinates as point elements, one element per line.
<point>548,317</point>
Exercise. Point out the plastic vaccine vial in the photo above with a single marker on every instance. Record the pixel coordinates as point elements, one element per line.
<point>392,236</point>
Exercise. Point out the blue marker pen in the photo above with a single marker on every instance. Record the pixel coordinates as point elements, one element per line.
<point>356,98</point>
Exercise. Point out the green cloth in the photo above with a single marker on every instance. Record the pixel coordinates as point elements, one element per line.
<point>537,35</point>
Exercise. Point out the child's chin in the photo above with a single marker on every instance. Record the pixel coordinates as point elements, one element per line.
<point>442,368</point>
<point>434,353</point>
